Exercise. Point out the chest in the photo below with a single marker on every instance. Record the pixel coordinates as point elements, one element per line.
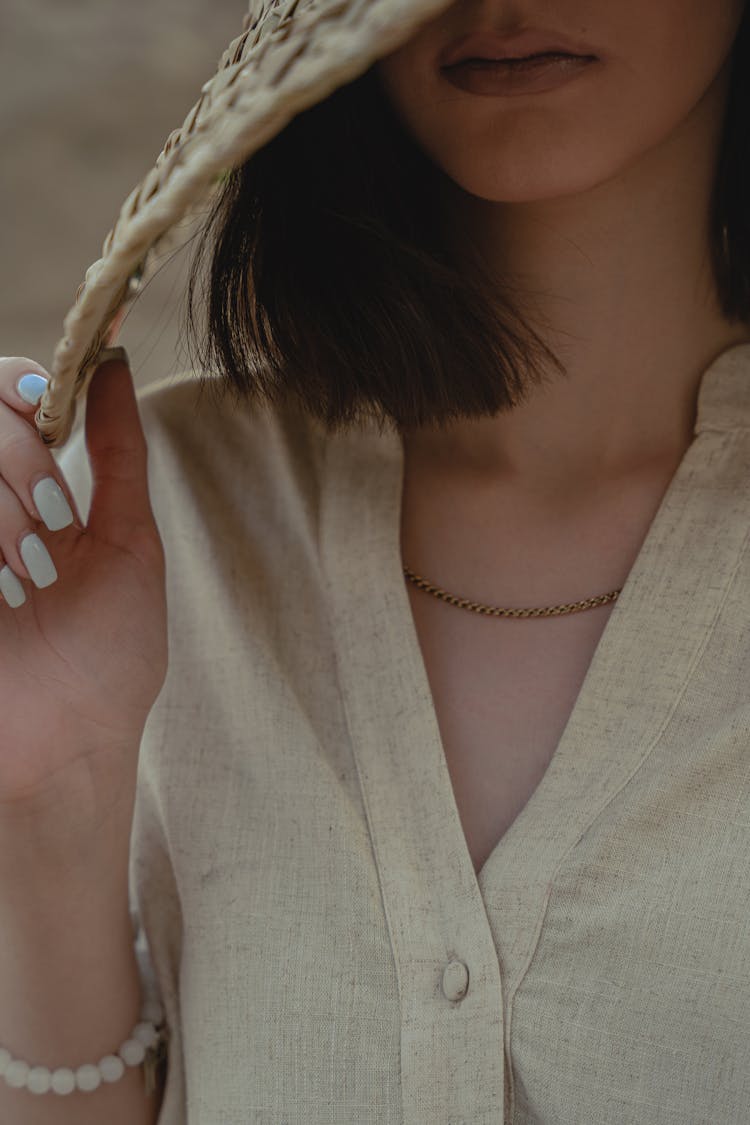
<point>503,691</point>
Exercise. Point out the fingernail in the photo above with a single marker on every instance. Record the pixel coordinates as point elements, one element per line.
<point>11,588</point>
<point>31,387</point>
<point>37,560</point>
<point>51,504</point>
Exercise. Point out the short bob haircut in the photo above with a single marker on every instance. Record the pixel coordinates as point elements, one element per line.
<point>330,282</point>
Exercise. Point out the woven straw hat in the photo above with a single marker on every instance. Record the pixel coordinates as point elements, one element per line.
<point>291,54</point>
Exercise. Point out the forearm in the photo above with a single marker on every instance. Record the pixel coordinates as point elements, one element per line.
<point>70,993</point>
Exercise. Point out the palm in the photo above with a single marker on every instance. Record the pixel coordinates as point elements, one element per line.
<point>86,658</point>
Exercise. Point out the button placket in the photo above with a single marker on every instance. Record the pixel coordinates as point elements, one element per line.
<point>432,901</point>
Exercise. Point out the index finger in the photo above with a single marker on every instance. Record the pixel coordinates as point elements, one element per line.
<point>27,466</point>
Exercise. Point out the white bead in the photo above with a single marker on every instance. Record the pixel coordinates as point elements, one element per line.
<point>39,1080</point>
<point>132,1052</point>
<point>63,1080</point>
<point>145,1033</point>
<point>111,1068</point>
<point>16,1074</point>
<point>88,1077</point>
<point>152,1010</point>
<point>5,1057</point>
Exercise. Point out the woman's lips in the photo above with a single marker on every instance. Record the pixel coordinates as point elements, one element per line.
<point>509,77</point>
<point>487,44</point>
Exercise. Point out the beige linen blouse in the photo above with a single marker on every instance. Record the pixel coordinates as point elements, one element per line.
<point>325,952</point>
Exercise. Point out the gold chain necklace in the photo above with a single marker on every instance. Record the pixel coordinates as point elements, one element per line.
<point>496,611</point>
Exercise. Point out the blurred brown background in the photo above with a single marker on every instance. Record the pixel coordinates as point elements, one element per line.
<point>90,90</point>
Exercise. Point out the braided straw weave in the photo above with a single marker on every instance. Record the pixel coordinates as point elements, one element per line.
<point>290,55</point>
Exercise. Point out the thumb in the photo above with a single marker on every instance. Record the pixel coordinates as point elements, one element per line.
<point>117,452</point>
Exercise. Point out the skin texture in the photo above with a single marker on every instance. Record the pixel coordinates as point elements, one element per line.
<point>593,199</point>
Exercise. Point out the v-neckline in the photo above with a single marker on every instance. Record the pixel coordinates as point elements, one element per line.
<point>396,737</point>
<point>604,656</point>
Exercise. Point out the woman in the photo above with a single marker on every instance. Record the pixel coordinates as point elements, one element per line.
<point>401,858</point>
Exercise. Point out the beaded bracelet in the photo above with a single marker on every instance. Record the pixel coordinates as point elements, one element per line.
<point>146,1046</point>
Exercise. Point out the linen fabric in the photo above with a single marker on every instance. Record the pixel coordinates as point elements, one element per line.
<point>324,950</point>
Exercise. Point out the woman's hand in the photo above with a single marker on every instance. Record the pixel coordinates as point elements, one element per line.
<point>84,657</point>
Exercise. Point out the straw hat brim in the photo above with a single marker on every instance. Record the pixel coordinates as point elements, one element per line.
<point>291,54</point>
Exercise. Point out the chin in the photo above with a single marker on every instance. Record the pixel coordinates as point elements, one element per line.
<point>510,179</point>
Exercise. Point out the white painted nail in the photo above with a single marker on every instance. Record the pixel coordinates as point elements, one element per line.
<point>51,504</point>
<point>11,588</point>
<point>31,387</point>
<point>37,560</point>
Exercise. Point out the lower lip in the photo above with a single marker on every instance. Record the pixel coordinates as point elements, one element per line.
<point>523,76</point>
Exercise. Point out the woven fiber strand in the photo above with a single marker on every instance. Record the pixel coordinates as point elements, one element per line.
<point>291,54</point>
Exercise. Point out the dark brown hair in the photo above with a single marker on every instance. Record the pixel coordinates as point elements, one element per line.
<point>331,284</point>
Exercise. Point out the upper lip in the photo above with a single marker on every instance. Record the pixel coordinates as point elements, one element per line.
<point>490,45</point>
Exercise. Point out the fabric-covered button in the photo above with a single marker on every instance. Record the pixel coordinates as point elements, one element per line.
<point>455,980</point>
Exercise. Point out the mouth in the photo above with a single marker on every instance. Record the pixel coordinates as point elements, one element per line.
<point>520,49</point>
<point>514,77</point>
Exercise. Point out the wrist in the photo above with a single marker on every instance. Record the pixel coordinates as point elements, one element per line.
<point>73,921</point>
<point>64,838</point>
<point>84,1022</point>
